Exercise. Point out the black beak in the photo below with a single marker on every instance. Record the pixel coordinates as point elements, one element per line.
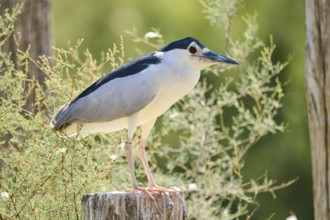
<point>214,57</point>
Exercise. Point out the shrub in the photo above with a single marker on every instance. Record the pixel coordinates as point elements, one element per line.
<point>198,145</point>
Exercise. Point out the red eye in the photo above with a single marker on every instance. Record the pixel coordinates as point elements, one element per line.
<point>192,49</point>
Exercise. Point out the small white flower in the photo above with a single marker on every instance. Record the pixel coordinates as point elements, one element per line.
<point>152,35</point>
<point>173,115</point>
<point>4,195</point>
<point>113,157</point>
<point>122,145</point>
<point>192,186</point>
<point>292,217</point>
<point>226,215</point>
<point>61,150</point>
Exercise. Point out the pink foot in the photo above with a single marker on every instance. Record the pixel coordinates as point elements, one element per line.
<point>148,190</point>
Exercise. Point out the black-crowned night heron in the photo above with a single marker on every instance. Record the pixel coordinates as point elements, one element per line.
<point>135,95</point>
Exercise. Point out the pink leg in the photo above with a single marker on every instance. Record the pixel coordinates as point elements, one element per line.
<point>135,187</point>
<point>142,155</point>
<point>146,128</point>
<point>129,156</point>
<point>141,152</point>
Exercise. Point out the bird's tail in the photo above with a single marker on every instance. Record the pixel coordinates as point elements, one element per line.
<point>61,123</point>
<point>60,120</point>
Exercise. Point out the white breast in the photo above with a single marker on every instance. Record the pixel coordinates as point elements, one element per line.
<point>174,78</point>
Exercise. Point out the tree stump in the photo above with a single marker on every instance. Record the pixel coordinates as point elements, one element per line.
<point>130,206</point>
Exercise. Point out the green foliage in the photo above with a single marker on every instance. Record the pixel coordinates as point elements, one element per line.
<point>198,145</point>
<point>42,175</point>
<point>220,12</point>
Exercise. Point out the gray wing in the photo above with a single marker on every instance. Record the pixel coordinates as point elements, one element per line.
<point>116,99</point>
<point>121,93</point>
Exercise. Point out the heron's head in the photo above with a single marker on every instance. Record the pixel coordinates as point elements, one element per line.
<point>190,51</point>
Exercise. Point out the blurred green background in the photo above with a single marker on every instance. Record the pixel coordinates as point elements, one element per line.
<point>284,156</point>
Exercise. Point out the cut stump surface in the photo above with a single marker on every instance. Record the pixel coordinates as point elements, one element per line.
<point>130,206</point>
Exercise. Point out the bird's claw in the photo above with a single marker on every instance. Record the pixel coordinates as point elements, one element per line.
<point>149,190</point>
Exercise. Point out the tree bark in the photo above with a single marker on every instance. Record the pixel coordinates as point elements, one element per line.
<point>318,99</point>
<point>126,206</point>
<point>32,30</point>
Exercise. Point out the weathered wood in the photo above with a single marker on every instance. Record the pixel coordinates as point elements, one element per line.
<point>130,206</point>
<point>318,99</point>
